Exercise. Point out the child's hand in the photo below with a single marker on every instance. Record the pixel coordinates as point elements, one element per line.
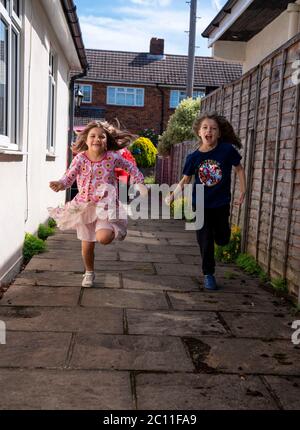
<point>142,189</point>
<point>56,186</point>
<point>241,199</point>
<point>168,199</point>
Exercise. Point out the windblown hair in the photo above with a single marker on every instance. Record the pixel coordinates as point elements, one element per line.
<point>227,132</point>
<point>116,138</point>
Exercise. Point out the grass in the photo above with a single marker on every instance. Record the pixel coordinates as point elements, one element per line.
<point>251,267</point>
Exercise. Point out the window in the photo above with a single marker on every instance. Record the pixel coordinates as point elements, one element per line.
<point>176,96</point>
<point>86,91</point>
<point>51,103</point>
<point>125,96</point>
<point>10,28</point>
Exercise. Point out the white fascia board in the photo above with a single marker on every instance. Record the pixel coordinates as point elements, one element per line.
<point>55,13</point>
<point>229,19</point>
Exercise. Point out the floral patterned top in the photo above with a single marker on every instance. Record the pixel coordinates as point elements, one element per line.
<point>90,175</point>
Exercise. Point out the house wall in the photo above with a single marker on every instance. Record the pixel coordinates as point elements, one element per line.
<point>135,118</point>
<point>251,53</point>
<point>25,176</point>
<point>265,42</point>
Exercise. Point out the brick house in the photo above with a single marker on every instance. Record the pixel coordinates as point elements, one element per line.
<point>143,89</point>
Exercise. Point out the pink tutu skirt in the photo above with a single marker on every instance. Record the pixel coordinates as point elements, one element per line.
<point>81,216</point>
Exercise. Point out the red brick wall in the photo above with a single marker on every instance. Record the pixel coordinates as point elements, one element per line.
<point>135,118</point>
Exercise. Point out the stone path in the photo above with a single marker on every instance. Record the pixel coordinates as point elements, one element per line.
<point>147,336</point>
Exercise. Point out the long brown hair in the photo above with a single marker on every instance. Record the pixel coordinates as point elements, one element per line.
<point>227,132</point>
<point>116,138</point>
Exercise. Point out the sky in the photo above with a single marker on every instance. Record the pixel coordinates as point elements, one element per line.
<point>128,25</point>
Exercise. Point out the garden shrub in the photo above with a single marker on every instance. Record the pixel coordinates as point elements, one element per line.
<point>144,152</point>
<point>179,128</point>
<point>45,231</point>
<point>32,245</point>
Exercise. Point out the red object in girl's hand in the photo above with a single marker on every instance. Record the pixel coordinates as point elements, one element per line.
<point>121,174</point>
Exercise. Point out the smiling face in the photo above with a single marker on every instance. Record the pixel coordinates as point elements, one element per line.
<point>209,132</point>
<point>96,140</point>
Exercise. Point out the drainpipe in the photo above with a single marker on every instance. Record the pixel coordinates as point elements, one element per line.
<point>293,10</point>
<point>162,108</point>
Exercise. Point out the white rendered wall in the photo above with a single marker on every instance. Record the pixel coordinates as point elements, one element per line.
<point>24,182</point>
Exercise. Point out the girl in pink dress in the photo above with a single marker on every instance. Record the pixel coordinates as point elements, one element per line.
<point>95,212</point>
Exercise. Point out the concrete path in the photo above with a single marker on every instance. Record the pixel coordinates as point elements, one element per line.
<point>146,336</point>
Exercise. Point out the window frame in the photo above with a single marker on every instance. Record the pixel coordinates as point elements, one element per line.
<point>91,92</point>
<point>14,28</point>
<point>125,89</point>
<point>179,92</point>
<point>52,99</point>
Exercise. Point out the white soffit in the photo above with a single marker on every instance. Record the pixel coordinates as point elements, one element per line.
<point>229,19</point>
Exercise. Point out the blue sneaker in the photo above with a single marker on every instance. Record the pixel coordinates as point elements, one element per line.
<point>210,282</point>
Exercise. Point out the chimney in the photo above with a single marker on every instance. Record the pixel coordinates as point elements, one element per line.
<point>156,46</point>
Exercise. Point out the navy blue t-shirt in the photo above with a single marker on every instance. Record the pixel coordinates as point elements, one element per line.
<point>213,170</point>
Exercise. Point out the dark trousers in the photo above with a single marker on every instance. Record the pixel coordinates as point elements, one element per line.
<point>216,229</point>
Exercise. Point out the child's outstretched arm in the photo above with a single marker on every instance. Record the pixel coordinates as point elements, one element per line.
<point>240,171</point>
<point>136,177</point>
<point>69,177</point>
<point>171,197</point>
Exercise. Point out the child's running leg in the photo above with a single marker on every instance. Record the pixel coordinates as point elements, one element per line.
<point>221,225</point>
<point>105,236</point>
<point>87,251</point>
<point>205,240</point>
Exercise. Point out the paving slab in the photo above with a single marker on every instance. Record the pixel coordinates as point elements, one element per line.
<point>201,392</point>
<point>65,279</point>
<point>149,256</point>
<point>174,323</point>
<point>63,319</point>
<point>245,356</point>
<point>65,254</point>
<point>26,295</point>
<point>65,390</point>
<point>266,326</point>
<point>218,301</point>
<point>77,266</point>
<point>177,269</point>
<point>43,350</point>
<point>287,389</point>
<point>162,283</point>
<point>177,250</point>
<point>130,352</point>
<point>134,299</point>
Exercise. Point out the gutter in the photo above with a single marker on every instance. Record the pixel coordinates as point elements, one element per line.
<point>69,9</point>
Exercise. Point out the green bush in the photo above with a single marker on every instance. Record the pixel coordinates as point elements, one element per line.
<point>44,231</point>
<point>177,209</point>
<point>149,180</point>
<point>279,285</point>
<point>229,253</point>
<point>250,266</point>
<point>179,128</point>
<point>144,152</point>
<point>150,134</point>
<point>52,223</point>
<point>32,245</point>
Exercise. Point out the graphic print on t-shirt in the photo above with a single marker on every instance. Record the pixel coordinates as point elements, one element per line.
<point>210,173</point>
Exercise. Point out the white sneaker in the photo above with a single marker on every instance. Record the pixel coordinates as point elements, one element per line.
<point>88,279</point>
